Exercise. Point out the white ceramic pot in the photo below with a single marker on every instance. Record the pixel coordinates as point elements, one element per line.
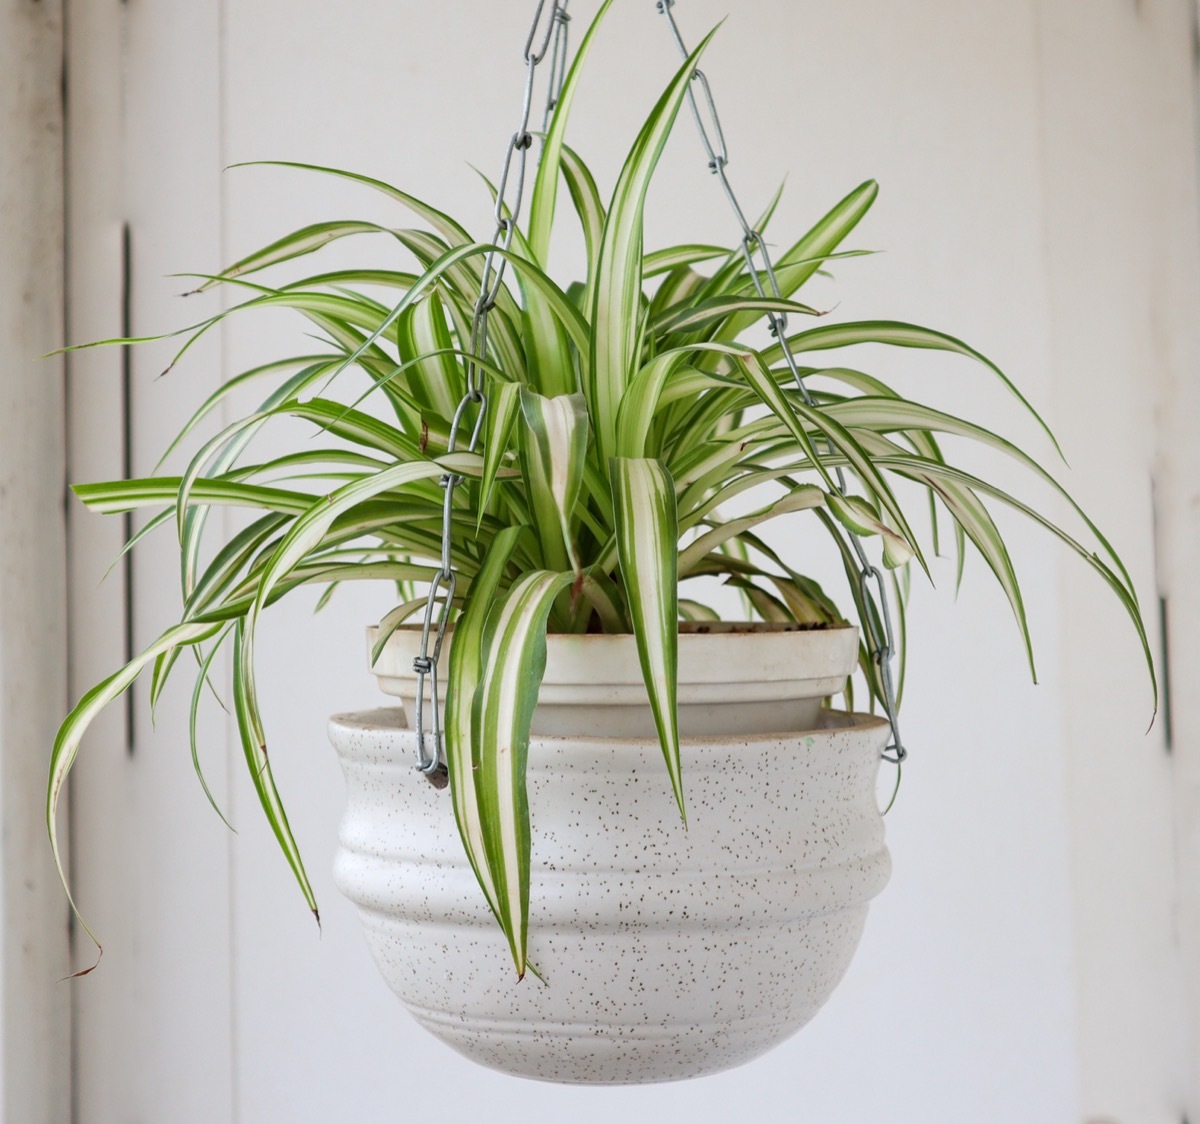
<point>666,953</point>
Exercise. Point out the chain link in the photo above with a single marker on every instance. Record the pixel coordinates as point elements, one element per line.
<point>547,35</point>
<point>877,620</point>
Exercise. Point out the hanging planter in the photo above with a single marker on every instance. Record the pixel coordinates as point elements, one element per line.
<point>664,953</point>
<point>549,474</point>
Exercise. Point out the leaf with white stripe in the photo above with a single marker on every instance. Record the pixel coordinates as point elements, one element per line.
<point>858,514</point>
<point>590,208</point>
<point>75,725</point>
<point>661,261</point>
<point>618,283</point>
<point>466,670</point>
<point>800,498</point>
<point>553,448</point>
<point>306,534</point>
<point>647,533</point>
<point>803,259</point>
<point>640,400</point>
<point>259,766</point>
<point>502,402</point>
<point>545,188</point>
<point>513,665</point>
<point>895,333</point>
<point>426,347</point>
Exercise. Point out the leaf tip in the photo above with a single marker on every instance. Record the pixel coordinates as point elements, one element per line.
<point>86,971</point>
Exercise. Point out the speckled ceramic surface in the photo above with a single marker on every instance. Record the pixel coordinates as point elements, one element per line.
<point>666,953</point>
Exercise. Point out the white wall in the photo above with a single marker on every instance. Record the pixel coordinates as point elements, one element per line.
<point>1036,166</point>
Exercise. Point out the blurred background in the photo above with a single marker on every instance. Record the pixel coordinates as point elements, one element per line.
<point>1036,957</point>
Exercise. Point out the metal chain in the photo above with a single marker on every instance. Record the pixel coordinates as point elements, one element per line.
<point>880,634</point>
<point>547,35</point>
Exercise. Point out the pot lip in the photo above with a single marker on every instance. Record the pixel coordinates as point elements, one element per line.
<point>368,720</point>
<point>735,653</point>
<point>690,632</point>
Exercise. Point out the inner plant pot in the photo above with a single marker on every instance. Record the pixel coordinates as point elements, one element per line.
<point>734,678</point>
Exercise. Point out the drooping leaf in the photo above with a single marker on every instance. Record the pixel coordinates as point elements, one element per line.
<point>466,671</point>
<point>647,535</point>
<point>254,748</point>
<point>800,498</point>
<point>897,334</point>
<point>75,725</point>
<point>858,515</point>
<point>514,661</point>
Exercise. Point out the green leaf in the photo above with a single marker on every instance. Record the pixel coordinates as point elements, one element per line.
<point>254,747</point>
<point>602,594</point>
<point>647,535</point>
<point>466,671</point>
<point>114,496</point>
<point>897,334</point>
<point>640,400</point>
<point>440,221</point>
<point>436,380</point>
<point>924,471</point>
<point>662,261</point>
<point>618,289</point>
<point>858,515</point>
<point>804,258</point>
<point>545,187</point>
<point>841,440</point>
<point>193,711</point>
<point>75,725</point>
<point>392,620</point>
<point>700,314</point>
<point>695,611</point>
<point>502,403</point>
<point>801,497</point>
<point>585,197</point>
<point>294,245</point>
<point>306,534</point>
<point>553,447</point>
<point>513,664</point>
<point>318,364</point>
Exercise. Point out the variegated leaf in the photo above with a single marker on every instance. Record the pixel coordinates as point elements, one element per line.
<point>75,725</point>
<point>545,188</point>
<point>647,535</point>
<point>859,515</point>
<point>798,499</point>
<point>618,287</point>
<point>553,447</point>
<point>466,671</point>
<point>513,664</point>
<point>502,402</point>
<point>424,340</point>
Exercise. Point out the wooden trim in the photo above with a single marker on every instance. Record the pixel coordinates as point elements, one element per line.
<point>34,1004</point>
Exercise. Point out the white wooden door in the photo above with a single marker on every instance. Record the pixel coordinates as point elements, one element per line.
<point>1038,199</point>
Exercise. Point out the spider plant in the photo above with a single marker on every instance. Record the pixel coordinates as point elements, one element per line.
<point>624,414</point>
